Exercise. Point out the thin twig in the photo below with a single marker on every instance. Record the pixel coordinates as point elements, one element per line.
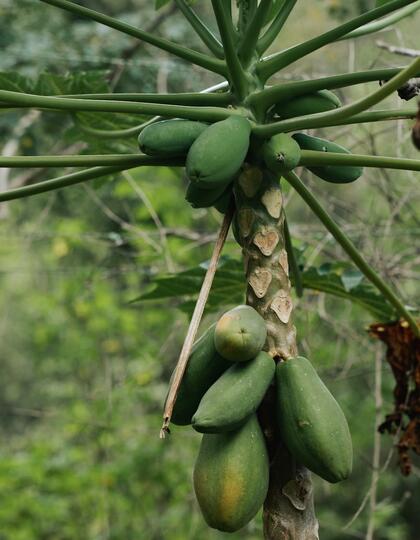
<point>412,53</point>
<point>195,321</point>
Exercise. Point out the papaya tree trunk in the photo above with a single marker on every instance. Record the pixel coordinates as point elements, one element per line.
<point>259,228</point>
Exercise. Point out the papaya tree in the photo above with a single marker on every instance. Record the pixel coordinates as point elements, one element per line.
<point>267,418</point>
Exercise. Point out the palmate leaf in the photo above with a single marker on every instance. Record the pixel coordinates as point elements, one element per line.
<point>49,84</point>
<point>339,279</point>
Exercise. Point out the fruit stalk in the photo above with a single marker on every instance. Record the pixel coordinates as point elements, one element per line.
<point>259,228</point>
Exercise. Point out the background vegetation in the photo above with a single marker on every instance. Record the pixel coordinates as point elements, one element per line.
<point>85,372</point>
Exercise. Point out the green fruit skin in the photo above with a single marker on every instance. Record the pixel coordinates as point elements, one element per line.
<point>203,198</point>
<point>223,202</point>
<point>320,101</point>
<point>311,422</point>
<point>235,230</point>
<point>170,137</point>
<point>218,153</point>
<point>240,334</point>
<point>234,396</point>
<point>331,173</point>
<point>231,476</point>
<point>281,153</point>
<point>204,367</point>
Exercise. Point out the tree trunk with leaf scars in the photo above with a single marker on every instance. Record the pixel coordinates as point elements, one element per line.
<point>259,227</point>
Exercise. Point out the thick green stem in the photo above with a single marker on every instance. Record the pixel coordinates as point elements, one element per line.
<point>74,178</point>
<point>351,249</point>
<point>207,114</point>
<point>247,47</point>
<point>268,130</point>
<point>207,62</point>
<point>283,59</point>
<point>383,23</point>
<point>247,9</point>
<point>281,93</point>
<point>195,99</point>
<point>118,160</point>
<point>311,121</point>
<point>204,33</point>
<point>236,73</point>
<point>288,509</point>
<point>311,158</point>
<point>294,267</point>
<point>115,133</point>
<point>273,31</point>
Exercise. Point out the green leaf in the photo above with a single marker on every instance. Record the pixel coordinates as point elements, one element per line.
<point>15,82</point>
<point>339,279</point>
<point>160,3</point>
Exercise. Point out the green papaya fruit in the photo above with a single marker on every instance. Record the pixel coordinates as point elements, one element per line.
<point>311,422</point>
<point>281,153</point>
<point>170,137</point>
<point>231,476</point>
<point>203,198</point>
<point>337,174</point>
<point>204,367</point>
<point>234,396</point>
<point>317,102</point>
<point>218,153</point>
<point>235,230</point>
<point>240,334</point>
<point>223,202</point>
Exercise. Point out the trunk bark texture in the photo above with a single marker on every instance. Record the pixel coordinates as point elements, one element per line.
<point>259,228</point>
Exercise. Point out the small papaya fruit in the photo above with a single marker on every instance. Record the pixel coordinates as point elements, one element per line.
<point>281,153</point>
<point>205,365</point>
<point>170,137</point>
<point>203,198</point>
<point>231,476</point>
<point>311,422</point>
<point>316,102</point>
<point>223,202</point>
<point>235,395</point>
<point>218,153</point>
<point>337,174</point>
<point>240,334</point>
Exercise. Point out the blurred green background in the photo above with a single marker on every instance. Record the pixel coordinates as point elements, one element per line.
<point>85,373</point>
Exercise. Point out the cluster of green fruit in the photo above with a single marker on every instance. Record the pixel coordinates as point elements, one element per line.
<point>215,153</point>
<point>225,381</point>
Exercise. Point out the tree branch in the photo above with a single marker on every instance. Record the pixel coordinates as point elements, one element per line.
<point>413,53</point>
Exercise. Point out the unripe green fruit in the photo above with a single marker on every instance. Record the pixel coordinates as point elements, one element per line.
<point>170,137</point>
<point>317,102</point>
<point>240,334</point>
<point>204,367</point>
<point>337,174</point>
<point>311,422</point>
<point>218,153</point>
<point>235,395</point>
<point>231,476</point>
<point>281,153</point>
